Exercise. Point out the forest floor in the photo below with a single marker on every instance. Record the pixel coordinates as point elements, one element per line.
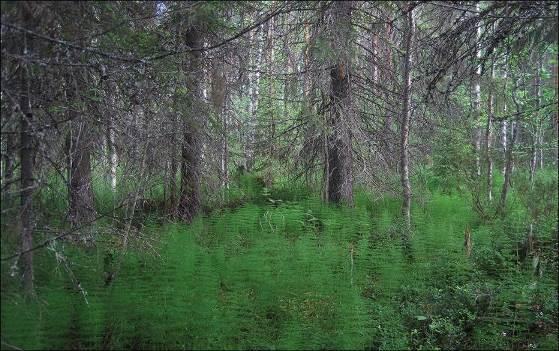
<point>285,271</point>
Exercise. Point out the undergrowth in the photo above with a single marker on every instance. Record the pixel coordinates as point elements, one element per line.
<point>278,269</point>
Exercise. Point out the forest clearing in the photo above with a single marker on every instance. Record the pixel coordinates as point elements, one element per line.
<point>279,175</point>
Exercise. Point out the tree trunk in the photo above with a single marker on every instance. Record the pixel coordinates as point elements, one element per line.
<point>189,202</point>
<point>111,149</point>
<point>537,128</point>
<point>271,111</point>
<point>254,93</point>
<point>489,136</point>
<point>509,161</point>
<point>374,56</point>
<point>9,161</point>
<point>224,148</point>
<point>340,153</point>
<point>504,124</point>
<point>384,78</point>
<point>508,171</point>
<point>27,154</point>
<point>406,116</point>
<point>534,154</point>
<point>218,97</point>
<point>477,91</point>
<point>80,192</point>
<point>172,185</point>
<point>538,102</point>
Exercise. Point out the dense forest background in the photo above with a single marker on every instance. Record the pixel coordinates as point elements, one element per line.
<point>279,174</point>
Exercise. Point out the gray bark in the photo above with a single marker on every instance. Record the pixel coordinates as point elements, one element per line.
<point>509,161</point>
<point>27,152</point>
<point>189,202</point>
<point>489,137</point>
<point>254,93</point>
<point>406,117</point>
<point>340,155</point>
<point>477,91</point>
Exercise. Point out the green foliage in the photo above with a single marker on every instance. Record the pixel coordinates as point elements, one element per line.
<point>283,270</point>
<point>452,158</point>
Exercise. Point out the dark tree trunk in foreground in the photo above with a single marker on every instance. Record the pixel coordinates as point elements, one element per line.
<point>406,116</point>
<point>340,157</point>
<point>189,202</point>
<point>27,152</point>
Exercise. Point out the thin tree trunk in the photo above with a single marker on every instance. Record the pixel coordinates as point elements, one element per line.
<point>254,93</point>
<point>508,171</point>
<point>81,208</point>
<point>536,147</point>
<point>534,155</point>
<point>172,185</point>
<point>509,162</point>
<point>504,124</point>
<point>173,163</point>
<point>504,131</point>
<point>374,56</point>
<point>386,77</point>
<point>477,91</point>
<point>271,111</point>
<point>538,102</point>
<point>489,136</point>
<point>514,129</point>
<point>111,149</point>
<point>224,148</point>
<point>406,117</point>
<point>541,144</point>
<point>9,162</point>
<point>218,97</point>
<point>27,152</point>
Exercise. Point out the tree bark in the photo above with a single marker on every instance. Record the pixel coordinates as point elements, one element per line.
<point>538,84</point>
<point>189,202</point>
<point>172,185</point>
<point>477,103</point>
<point>508,171</point>
<point>111,149</point>
<point>9,161</point>
<point>80,192</point>
<point>387,76</point>
<point>489,137</point>
<point>340,153</point>
<point>406,117</point>
<point>218,97</point>
<point>254,93</point>
<point>27,154</point>
<point>509,162</point>
<point>537,128</point>
<point>504,124</point>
